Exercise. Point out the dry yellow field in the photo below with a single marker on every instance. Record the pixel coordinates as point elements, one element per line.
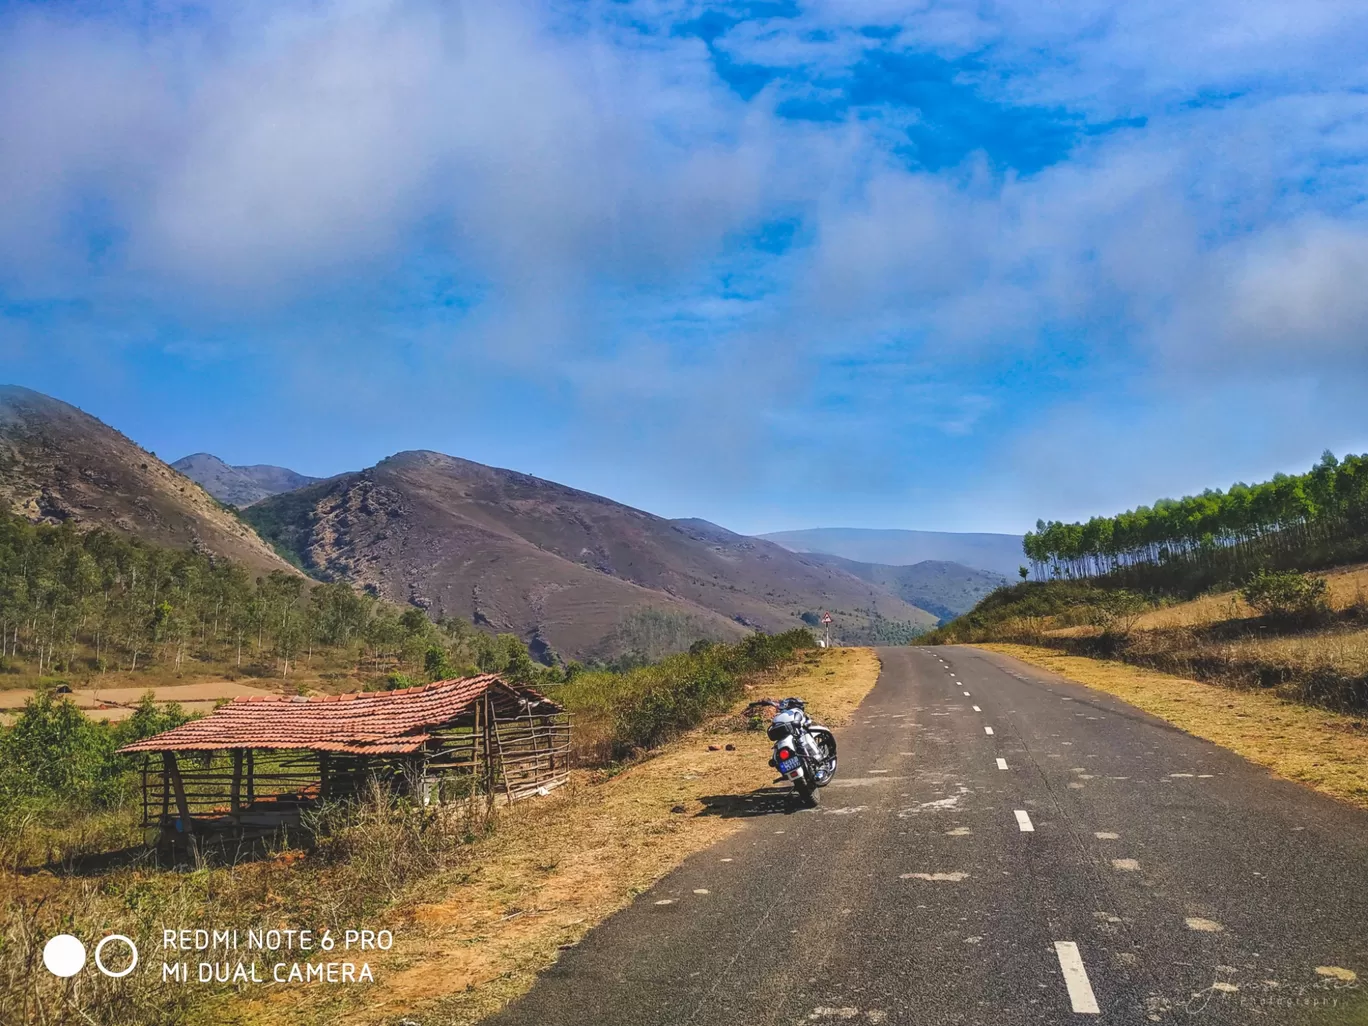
<point>557,866</point>
<point>1339,651</point>
<point>119,703</point>
<point>1323,750</point>
<point>1345,586</point>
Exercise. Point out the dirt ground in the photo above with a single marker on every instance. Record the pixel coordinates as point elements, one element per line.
<point>1324,750</point>
<point>557,866</point>
<point>119,703</point>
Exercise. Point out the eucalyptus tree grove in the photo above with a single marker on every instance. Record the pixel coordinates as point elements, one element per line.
<point>74,602</point>
<point>1301,520</point>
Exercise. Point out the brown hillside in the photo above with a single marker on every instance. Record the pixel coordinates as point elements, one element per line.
<point>58,465</point>
<point>552,563</point>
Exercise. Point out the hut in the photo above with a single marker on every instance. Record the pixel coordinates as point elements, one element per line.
<point>255,765</point>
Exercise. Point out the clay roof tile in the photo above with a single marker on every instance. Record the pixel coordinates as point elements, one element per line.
<point>389,722</point>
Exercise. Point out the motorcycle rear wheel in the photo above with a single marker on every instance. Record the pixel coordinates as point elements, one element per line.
<point>828,762</point>
<point>807,793</point>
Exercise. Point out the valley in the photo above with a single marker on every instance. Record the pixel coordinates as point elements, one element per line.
<point>572,574</point>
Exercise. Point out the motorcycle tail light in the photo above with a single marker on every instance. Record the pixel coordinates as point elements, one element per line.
<point>784,753</point>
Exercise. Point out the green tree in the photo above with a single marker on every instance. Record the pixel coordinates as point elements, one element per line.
<point>54,750</point>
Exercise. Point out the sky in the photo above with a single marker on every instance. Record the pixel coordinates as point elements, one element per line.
<point>943,265</point>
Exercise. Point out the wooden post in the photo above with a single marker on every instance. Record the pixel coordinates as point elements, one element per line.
<point>536,744</point>
<point>182,806</point>
<point>476,765</point>
<point>324,764</point>
<point>498,744</point>
<point>251,779</point>
<point>235,792</point>
<point>488,747</point>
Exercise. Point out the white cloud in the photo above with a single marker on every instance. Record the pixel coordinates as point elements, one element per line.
<point>251,159</point>
<point>588,186</point>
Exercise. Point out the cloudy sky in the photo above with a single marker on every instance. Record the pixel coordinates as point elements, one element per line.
<point>943,264</point>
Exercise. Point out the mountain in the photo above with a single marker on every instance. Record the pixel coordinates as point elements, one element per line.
<point>998,553</point>
<point>940,587</point>
<point>565,569</point>
<point>239,486</point>
<point>58,464</point>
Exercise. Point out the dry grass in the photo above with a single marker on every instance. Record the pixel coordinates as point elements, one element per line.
<point>1346,587</point>
<point>1203,610</point>
<point>1341,651</point>
<point>1323,750</point>
<point>558,866</point>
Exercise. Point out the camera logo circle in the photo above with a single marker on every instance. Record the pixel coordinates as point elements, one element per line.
<point>65,955</point>
<point>132,950</point>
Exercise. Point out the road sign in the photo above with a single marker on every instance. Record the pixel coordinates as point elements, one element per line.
<point>826,618</point>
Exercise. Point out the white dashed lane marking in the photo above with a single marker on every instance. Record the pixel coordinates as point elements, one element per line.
<point>1002,764</point>
<point>987,730</point>
<point>1081,997</point>
<point>1203,925</point>
<point>1024,821</point>
<point>977,709</point>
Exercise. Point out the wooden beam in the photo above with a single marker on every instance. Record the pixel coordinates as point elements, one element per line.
<point>235,791</point>
<point>182,807</point>
<point>251,778</point>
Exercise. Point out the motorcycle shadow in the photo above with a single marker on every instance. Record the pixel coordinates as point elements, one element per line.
<point>768,801</point>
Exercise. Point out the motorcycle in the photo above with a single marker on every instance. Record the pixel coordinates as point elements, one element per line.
<point>804,750</point>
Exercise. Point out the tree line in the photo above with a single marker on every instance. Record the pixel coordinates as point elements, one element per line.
<point>78,602</point>
<point>1299,520</point>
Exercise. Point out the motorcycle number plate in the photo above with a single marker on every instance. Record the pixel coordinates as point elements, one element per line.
<point>789,765</point>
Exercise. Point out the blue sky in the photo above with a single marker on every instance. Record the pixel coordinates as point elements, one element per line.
<point>943,265</point>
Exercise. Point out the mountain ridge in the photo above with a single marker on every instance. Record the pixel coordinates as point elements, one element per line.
<point>944,588</point>
<point>996,553</point>
<point>239,486</point>
<point>573,573</point>
<point>59,464</point>
<point>550,562</point>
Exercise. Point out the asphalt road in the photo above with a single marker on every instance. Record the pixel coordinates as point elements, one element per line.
<point>1163,879</point>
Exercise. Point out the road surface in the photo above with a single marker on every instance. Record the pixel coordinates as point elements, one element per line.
<point>1000,846</point>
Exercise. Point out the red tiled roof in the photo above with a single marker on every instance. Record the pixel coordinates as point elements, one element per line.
<point>361,723</point>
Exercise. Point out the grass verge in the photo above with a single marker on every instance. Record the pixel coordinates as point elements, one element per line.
<point>1324,750</point>
<point>477,937</point>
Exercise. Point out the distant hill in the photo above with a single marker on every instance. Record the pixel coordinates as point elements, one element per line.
<point>60,465</point>
<point>946,589</point>
<point>560,567</point>
<point>999,553</point>
<point>239,486</point>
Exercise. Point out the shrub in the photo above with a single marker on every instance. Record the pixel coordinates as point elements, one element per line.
<point>616,714</point>
<point>397,682</point>
<point>1117,611</point>
<point>54,750</point>
<point>1287,594</point>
